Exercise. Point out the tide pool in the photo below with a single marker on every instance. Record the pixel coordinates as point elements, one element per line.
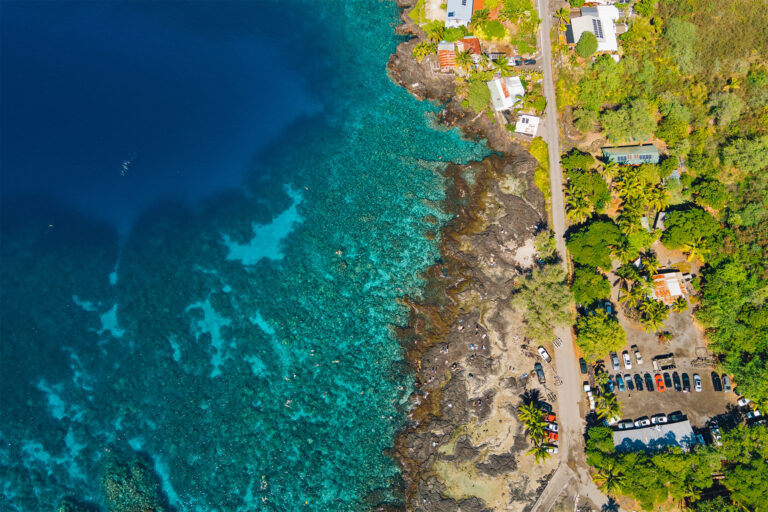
<point>244,340</point>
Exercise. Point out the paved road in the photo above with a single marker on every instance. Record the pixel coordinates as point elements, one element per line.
<point>569,392</point>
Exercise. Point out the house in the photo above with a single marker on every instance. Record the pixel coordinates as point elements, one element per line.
<point>601,21</point>
<point>527,125</point>
<point>458,13</point>
<point>655,437</point>
<point>446,54</point>
<point>470,44</point>
<point>506,92</point>
<point>632,155</point>
<point>668,287</point>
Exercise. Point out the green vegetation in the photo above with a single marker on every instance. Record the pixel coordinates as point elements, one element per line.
<point>423,49</point>
<point>692,230</point>
<point>545,301</point>
<point>591,245</point>
<point>587,45</point>
<point>653,478</point>
<point>532,418</point>
<point>597,334</point>
<point>589,286</point>
<point>546,247</point>
<point>479,95</point>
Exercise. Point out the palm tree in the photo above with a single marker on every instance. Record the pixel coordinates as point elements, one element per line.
<point>577,207</point>
<point>657,199</point>
<point>501,66</point>
<point>564,16</point>
<point>680,305</point>
<point>464,60</point>
<point>650,263</point>
<point>654,314</point>
<point>535,430</point>
<point>635,295</point>
<point>608,480</point>
<point>623,250</point>
<point>479,18</point>
<point>436,34</point>
<point>610,170</point>
<point>540,452</point>
<point>607,406</point>
<point>528,413</point>
<point>696,249</point>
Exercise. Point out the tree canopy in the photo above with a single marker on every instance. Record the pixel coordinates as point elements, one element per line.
<point>591,245</point>
<point>586,45</point>
<point>545,301</point>
<point>692,228</point>
<point>589,286</point>
<point>597,334</point>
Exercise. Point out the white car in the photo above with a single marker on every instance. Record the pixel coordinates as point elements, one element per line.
<point>544,354</point>
<point>551,448</point>
<point>743,402</point>
<point>591,403</point>
<point>625,424</point>
<point>658,419</point>
<point>717,437</point>
<point>627,360</point>
<point>754,414</point>
<point>586,387</point>
<point>615,361</point>
<point>638,357</point>
<point>642,422</point>
<point>696,382</point>
<point>552,427</point>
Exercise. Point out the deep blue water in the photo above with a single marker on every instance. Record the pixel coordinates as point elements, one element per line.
<point>224,302</point>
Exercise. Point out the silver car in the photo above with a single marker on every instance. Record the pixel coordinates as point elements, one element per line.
<point>544,354</point>
<point>696,382</point>
<point>658,419</point>
<point>615,361</point>
<point>627,360</point>
<point>642,422</point>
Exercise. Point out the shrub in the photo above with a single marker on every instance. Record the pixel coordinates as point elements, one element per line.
<point>710,192</point>
<point>479,95</point>
<point>597,334</point>
<point>492,30</point>
<point>587,45</point>
<point>591,245</point>
<point>589,286</point>
<point>423,49</point>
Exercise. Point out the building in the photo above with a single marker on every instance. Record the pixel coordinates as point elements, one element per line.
<point>446,54</point>
<point>458,13</point>
<point>470,44</point>
<point>527,125</point>
<point>668,287</point>
<point>601,21</point>
<point>506,92</point>
<point>632,155</point>
<point>655,437</point>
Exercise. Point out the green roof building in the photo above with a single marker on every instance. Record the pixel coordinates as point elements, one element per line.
<point>632,155</point>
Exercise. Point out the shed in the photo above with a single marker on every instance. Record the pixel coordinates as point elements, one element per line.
<point>632,155</point>
<point>668,287</point>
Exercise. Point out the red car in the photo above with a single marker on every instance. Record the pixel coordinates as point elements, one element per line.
<point>660,382</point>
<point>550,417</point>
<point>550,436</point>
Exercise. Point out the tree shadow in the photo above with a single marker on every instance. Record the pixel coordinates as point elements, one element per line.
<point>531,396</point>
<point>611,506</point>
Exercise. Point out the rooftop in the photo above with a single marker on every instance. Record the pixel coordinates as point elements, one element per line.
<point>458,13</point>
<point>601,21</point>
<point>527,124</point>
<point>506,92</point>
<point>655,437</point>
<point>632,155</point>
<point>668,287</point>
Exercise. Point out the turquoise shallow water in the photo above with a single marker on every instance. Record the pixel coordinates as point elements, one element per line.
<point>245,344</point>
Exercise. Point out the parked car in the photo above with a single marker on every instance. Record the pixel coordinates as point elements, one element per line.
<point>716,382</point>
<point>754,414</point>
<point>625,424</point>
<point>551,448</point>
<point>529,62</point>
<point>609,385</point>
<point>642,422</point>
<point>544,354</point>
<point>628,380</point>
<point>552,427</point>
<point>544,406</point>
<point>658,419</point>
<point>667,380</point>
<point>686,383</point>
<point>550,417</point>
<point>591,402</point>
<point>696,382</point>
<point>726,384</point>
<point>638,357</point>
<point>638,382</point>
<point>540,373</point>
<point>608,307</point>
<point>627,360</point>
<point>660,382</point>
<point>648,381</point>
<point>717,437</point>
<point>743,402</point>
<point>550,436</point>
<point>615,361</point>
<point>675,416</point>
<point>583,366</point>
<point>676,381</point>
<point>586,387</point>
<point>620,383</point>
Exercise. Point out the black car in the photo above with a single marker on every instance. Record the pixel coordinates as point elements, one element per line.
<point>675,416</point>
<point>638,382</point>
<point>649,382</point>
<point>667,381</point>
<point>628,380</point>
<point>716,382</point>
<point>583,366</point>
<point>540,373</point>
<point>686,383</point>
<point>676,381</point>
<point>529,62</point>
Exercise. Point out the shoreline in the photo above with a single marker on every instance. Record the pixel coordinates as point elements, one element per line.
<point>456,338</point>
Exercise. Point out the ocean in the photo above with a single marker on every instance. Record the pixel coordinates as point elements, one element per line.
<point>209,211</point>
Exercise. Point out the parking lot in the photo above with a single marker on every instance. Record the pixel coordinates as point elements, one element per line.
<point>690,357</point>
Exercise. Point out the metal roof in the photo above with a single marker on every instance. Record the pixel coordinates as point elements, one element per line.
<point>655,437</point>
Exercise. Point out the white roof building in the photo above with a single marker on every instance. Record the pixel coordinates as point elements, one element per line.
<point>527,124</point>
<point>458,13</point>
<point>601,21</point>
<point>655,437</point>
<point>506,92</point>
